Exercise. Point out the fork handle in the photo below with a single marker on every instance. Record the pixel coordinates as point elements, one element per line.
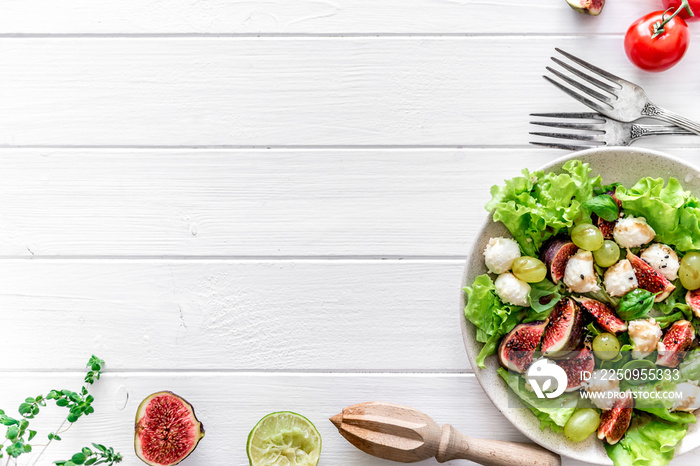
<point>639,130</point>
<point>659,113</point>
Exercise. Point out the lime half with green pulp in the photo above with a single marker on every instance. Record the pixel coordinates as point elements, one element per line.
<point>284,439</point>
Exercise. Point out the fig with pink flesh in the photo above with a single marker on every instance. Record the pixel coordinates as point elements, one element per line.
<point>517,348</point>
<point>167,430</point>
<point>556,254</point>
<point>564,331</point>
<point>588,7</point>
<point>692,299</point>
<point>677,340</point>
<point>615,422</point>
<point>576,366</point>
<point>603,314</point>
<point>605,227</point>
<point>649,279</point>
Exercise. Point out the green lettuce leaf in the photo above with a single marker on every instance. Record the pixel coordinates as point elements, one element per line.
<point>676,302</point>
<point>672,212</point>
<point>647,443</point>
<point>658,405</point>
<point>665,321</point>
<point>536,206</point>
<point>552,412</point>
<point>491,317</point>
<point>690,367</point>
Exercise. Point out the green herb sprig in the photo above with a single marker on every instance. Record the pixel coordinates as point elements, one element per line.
<point>87,456</point>
<point>79,404</point>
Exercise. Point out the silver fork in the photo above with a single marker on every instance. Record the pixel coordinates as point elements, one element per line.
<point>620,99</point>
<point>596,130</point>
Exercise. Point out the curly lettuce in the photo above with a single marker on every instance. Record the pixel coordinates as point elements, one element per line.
<point>672,212</point>
<point>660,406</point>
<point>536,206</point>
<point>552,412</point>
<point>491,317</point>
<point>647,443</point>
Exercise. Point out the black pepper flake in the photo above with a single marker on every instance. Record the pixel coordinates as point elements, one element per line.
<point>582,277</point>
<point>664,266</point>
<point>631,278</point>
<point>666,256</point>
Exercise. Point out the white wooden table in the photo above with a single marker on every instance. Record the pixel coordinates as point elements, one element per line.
<point>266,205</point>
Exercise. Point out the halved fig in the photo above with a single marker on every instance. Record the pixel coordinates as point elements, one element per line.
<point>167,430</point>
<point>564,331</point>
<point>677,340</point>
<point>556,254</point>
<point>615,422</point>
<point>576,366</point>
<point>603,314</point>
<point>518,347</point>
<point>692,299</point>
<point>649,279</point>
<point>588,7</point>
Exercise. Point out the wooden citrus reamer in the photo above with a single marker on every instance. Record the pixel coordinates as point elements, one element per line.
<point>403,434</point>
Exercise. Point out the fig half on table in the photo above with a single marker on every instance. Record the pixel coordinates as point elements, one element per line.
<point>167,430</point>
<point>587,7</point>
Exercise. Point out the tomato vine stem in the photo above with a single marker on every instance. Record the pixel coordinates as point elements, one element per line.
<point>659,25</point>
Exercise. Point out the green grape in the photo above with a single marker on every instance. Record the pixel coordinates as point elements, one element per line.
<point>606,346</point>
<point>587,236</point>
<point>608,254</point>
<point>582,424</point>
<point>529,269</point>
<point>690,271</point>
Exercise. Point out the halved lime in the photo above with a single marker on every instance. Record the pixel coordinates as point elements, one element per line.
<point>284,439</point>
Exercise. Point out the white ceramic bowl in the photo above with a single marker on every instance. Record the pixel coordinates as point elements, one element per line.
<point>615,164</point>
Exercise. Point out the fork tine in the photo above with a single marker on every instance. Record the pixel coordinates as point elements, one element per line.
<point>580,126</point>
<point>595,69</point>
<point>577,96</point>
<point>561,146</point>
<point>581,115</point>
<point>585,77</point>
<point>580,87</point>
<point>575,136</point>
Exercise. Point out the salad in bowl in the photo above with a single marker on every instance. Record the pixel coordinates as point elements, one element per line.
<point>590,305</point>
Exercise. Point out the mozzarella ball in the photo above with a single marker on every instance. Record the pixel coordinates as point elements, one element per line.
<point>606,385</point>
<point>500,254</point>
<point>511,290</point>
<point>663,259</point>
<point>645,335</point>
<point>579,274</point>
<point>633,232</point>
<point>620,279</point>
<point>688,397</point>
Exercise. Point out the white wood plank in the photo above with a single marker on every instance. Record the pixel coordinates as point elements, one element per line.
<point>252,203</point>
<point>313,16</point>
<point>233,315</point>
<point>456,91</point>
<point>248,202</point>
<point>229,405</point>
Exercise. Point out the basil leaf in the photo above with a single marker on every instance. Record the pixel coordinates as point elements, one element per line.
<point>542,300</point>
<point>604,206</point>
<point>635,304</point>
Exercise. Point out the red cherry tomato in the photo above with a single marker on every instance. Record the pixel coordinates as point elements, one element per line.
<point>656,53</point>
<point>694,5</point>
